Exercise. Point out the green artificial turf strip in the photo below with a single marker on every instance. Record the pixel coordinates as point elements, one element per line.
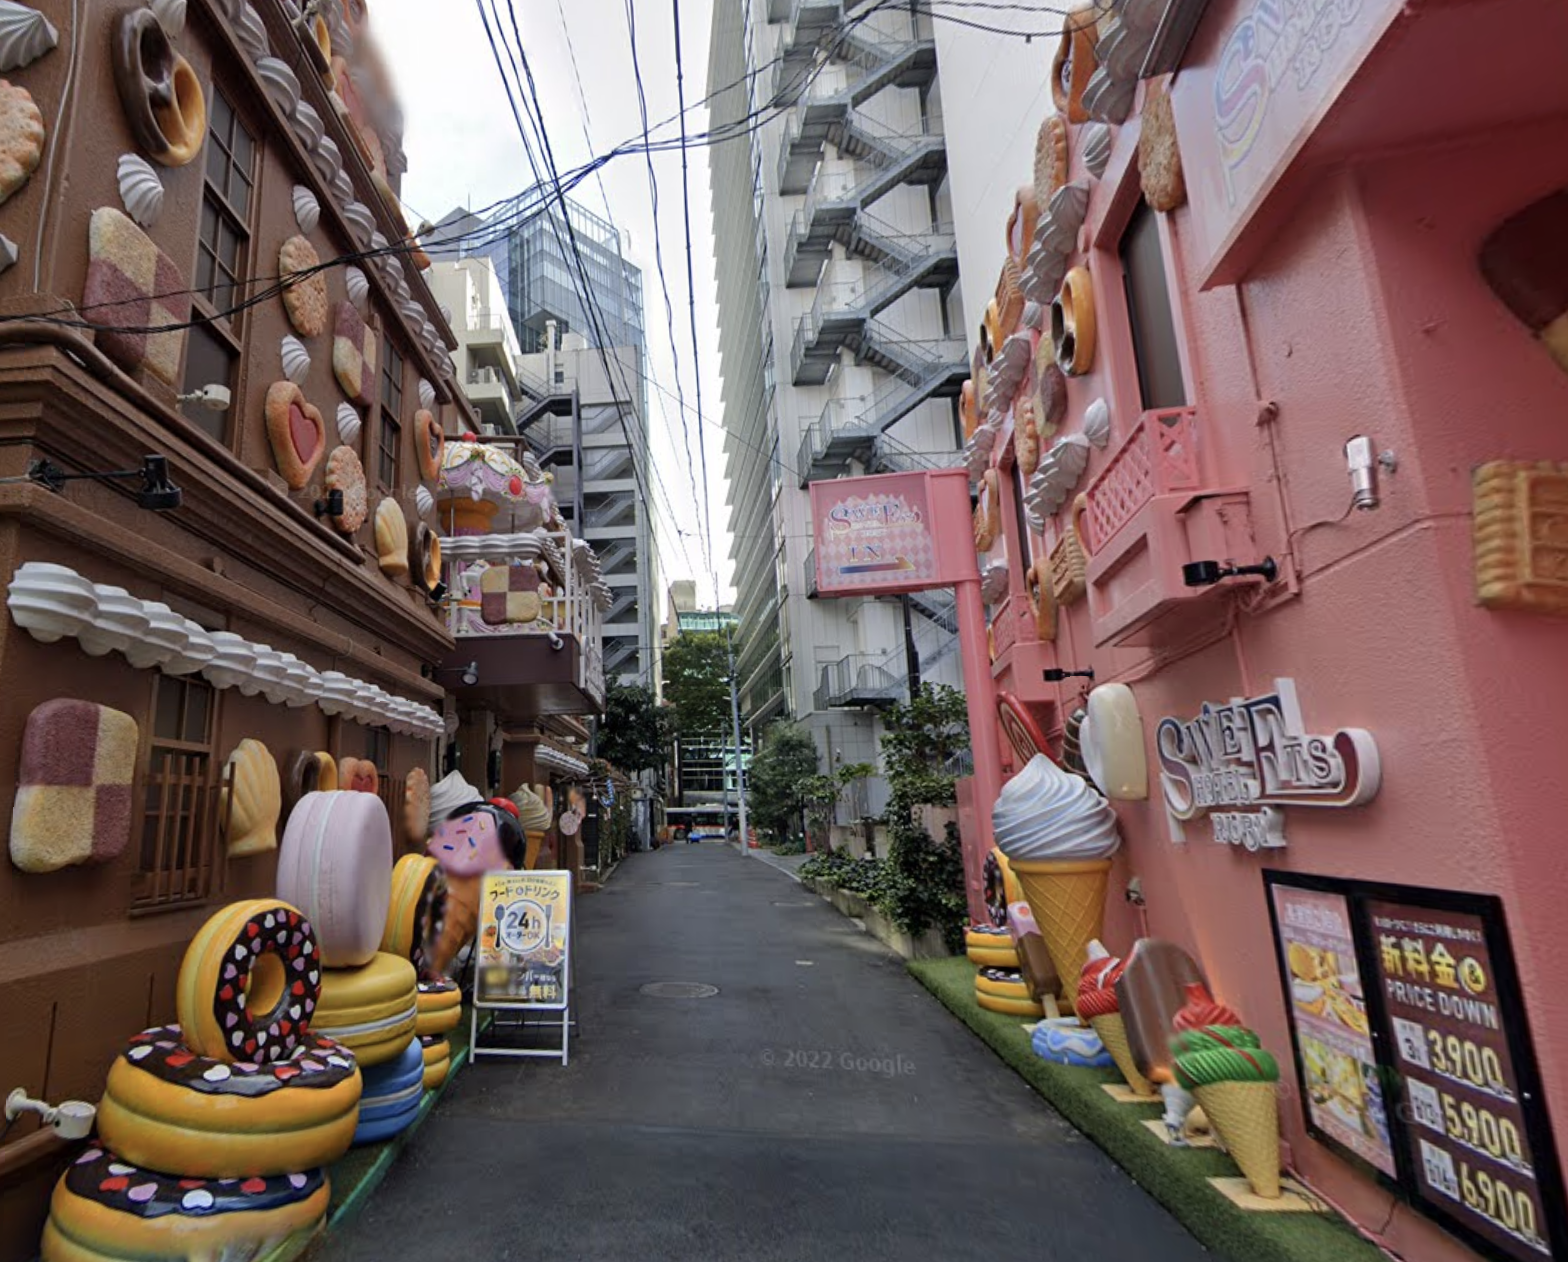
<point>1176,1177</point>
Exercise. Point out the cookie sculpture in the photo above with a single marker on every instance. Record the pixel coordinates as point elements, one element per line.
<point>73,797</point>
<point>353,354</point>
<point>430,443</point>
<point>297,432</point>
<point>391,539</point>
<point>1050,160</point>
<point>1159,157</point>
<point>304,299</point>
<point>134,294</point>
<point>254,801</point>
<point>21,138</point>
<point>346,474</point>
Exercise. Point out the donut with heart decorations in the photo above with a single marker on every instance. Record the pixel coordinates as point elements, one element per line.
<point>166,1108</point>
<point>440,1006</point>
<point>249,983</point>
<point>105,1209</point>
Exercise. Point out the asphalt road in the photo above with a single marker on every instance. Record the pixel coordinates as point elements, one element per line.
<point>820,1105</point>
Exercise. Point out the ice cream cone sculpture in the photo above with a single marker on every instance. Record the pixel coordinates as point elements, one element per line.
<point>1233,1079</point>
<point>1097,1004</point>
<point>1058,835</point>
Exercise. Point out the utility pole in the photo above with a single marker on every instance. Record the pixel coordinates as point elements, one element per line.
<point>740,761</point>
<point>911,652</point>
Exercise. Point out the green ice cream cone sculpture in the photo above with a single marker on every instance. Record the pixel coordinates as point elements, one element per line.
<point>1058,835</point>
<point>1233,1080</point>
<point>1097,1004</point>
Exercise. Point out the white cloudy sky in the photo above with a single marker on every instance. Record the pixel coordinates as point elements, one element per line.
<point>463,149</point>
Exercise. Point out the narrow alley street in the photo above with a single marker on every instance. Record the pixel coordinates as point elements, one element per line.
<point>820,1105</point>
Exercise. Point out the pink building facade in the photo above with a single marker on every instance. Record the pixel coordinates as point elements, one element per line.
<point>1321,282</point>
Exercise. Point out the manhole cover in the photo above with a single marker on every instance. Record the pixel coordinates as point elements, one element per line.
<point>679,990</point>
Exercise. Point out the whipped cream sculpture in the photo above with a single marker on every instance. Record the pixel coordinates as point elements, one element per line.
<point>1058,835</point>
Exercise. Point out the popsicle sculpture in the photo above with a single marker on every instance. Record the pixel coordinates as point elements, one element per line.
<point>1098,1004</point>
<point>1233,1078</point>
<point>1058,835</point>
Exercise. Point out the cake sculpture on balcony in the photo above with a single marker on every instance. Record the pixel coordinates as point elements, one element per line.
<point>481,489</point>
<point>1058,835</point>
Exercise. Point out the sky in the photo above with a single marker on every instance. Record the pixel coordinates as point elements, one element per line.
<point>463,150</point>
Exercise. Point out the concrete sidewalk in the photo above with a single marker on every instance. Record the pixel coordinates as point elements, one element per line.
<point>820,1106</point>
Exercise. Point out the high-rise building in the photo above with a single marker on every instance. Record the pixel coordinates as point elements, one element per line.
<point>583,419</point>
<point>488,354</point>
<point>840,337</point>
<point>581,393</point>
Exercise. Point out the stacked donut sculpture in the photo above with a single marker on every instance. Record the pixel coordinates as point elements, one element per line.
<point>213,1131</point>
<point>306,1023</point>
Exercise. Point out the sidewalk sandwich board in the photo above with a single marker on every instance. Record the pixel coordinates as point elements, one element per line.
<point>523,953</point>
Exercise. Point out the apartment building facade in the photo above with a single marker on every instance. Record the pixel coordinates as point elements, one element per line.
<point>841,338</point>
<point>487,359</point>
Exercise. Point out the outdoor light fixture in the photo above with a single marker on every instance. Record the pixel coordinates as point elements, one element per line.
<point>156,494</point>
<point>1208,573</point>
<point>332,506</point>
<point>1055,675</point>
<point>469,673</point>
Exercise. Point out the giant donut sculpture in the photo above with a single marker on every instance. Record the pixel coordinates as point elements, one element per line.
<point>990,947</point>
<point>438,1060</point>
<point>309,773</point>
<point>1037,579</point>
<point>167,1108</point>
<point>249,983</point>
<point>1008,1006</point>
<point>1001,892</point>
<point>1002,983</point>
<point>424,555</point>
<point>440,1006</point>
<point>416,912</point>
<point>393,1091</point>
<point>159,90</point>
<point>429,443</point>
<point>335,864</point>
<point>371,1010</point>
<point>105,1210</point>
<point>1073,324</point>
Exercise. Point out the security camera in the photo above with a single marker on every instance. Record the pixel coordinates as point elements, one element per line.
<point>556,642</point>
<point>71,1119</point>
<point>214,398</point>
<point>471,674</point>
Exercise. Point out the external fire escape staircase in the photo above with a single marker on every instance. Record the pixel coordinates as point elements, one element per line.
<point>836,200</point>
<point>920,371</point>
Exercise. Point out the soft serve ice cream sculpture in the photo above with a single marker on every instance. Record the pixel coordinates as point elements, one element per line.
<point>475,838</point>
<point>1224,1065</point>
<point>1058,835</point>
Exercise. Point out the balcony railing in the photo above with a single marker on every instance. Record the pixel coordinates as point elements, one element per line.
<point>1159,457</point>
<point>861,679</point>
<point>565,595</point>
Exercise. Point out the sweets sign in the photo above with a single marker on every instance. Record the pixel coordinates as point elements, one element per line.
<point>1258,754</point>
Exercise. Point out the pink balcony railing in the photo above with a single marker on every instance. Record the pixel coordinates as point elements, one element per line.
<point>1159,457</point>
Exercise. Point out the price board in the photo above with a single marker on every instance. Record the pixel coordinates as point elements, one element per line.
<point>1343,1088</point>
<point>1464,1129</point>
<point>1479,1153</point>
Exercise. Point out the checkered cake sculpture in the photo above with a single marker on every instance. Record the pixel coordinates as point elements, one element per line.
<point>73,797</point>
<point>509,593</point>
<point>353,354</point>
<point>133,286</point>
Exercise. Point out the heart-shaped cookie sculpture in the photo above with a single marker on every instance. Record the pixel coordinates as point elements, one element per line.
<point>358,775</point>
<point>431,443</point>
<point>159,91</point>
<point>346,474</point>
<point>297,432</point>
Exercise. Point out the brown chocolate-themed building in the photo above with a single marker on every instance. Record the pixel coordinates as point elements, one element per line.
<point>224,392</point>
